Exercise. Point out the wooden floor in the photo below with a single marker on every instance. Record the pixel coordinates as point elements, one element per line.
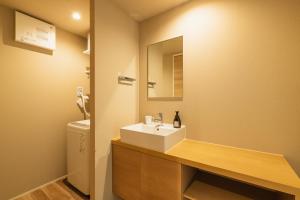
<point>55,191</point>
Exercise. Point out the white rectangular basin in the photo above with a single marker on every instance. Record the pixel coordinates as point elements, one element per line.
<point>160,138</point>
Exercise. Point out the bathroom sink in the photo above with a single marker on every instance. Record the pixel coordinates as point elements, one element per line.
<point>152,137</point>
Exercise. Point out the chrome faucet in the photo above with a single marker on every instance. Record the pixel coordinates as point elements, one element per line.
<point>160,119</point>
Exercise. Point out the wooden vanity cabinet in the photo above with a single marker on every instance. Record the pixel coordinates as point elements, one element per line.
<point>139,176</point>
<point>160,179</point>
<point>201,171</point>
<point>126,176</point>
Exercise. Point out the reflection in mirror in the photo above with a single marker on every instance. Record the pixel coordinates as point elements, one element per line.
<point>165,69</point>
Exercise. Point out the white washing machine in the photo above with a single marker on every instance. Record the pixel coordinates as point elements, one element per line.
<point>78,151</point>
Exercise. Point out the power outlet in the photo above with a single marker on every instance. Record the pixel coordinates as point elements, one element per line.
<point>79,91</point>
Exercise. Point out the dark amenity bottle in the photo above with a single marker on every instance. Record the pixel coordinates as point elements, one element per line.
<point>177,121</point>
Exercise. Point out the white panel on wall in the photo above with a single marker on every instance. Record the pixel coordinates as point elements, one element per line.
<point>35,32</point>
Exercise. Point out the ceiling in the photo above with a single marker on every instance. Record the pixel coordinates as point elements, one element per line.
<point>143,9</point>
<point>57,12</point>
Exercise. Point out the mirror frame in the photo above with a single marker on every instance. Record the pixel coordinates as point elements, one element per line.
<point>163,98</point>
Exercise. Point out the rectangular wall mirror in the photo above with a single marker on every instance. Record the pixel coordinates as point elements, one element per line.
<point>165,70</point>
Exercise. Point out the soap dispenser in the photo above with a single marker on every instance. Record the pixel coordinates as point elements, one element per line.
<point>177,121</point>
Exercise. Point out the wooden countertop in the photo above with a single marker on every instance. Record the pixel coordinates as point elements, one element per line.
<point>267,170</point>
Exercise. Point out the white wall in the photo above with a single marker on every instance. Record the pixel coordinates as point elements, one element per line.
<point>38,99</point>
<point>241,72</point>
<point>116,105</point>
<point>155,73</point>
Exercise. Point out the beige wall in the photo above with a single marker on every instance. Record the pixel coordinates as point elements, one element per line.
<point>168,74</point>
<point>155,72</point>
<point>116,105</point>
<point>37,101</point>
<point>241,72</point>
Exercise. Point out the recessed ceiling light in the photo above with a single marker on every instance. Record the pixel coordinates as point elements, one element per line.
<point>76,16</point>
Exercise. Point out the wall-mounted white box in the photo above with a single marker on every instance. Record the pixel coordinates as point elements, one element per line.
<point>35,32</point>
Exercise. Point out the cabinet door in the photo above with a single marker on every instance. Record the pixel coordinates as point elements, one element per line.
<point>160,179</point>
<point>126,173</point>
